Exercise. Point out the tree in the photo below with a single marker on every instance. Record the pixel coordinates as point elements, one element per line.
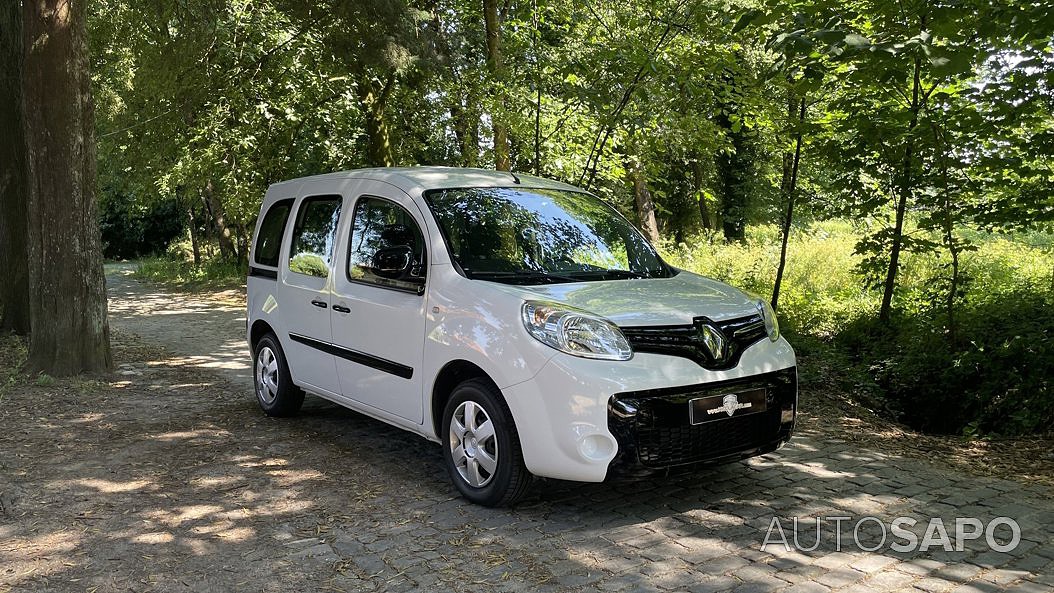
<point>70,333</point>
<point>736,163</point>
<point>800,71</point>
<point>14,289</point>
<point>642,198</point>
<point>496,67</point>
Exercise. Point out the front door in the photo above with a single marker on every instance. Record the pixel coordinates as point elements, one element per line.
<point>378,304</point>
<point>305,293</point>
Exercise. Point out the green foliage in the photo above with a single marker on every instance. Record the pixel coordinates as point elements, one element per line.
<point>133,228</point>
<point>213,273</point>
<point>994,377</point>
<point>998,379</point>
<point>13,353</point>
<point>928,125</point>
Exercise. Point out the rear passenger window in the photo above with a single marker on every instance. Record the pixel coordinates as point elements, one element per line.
<point>269,239</point>
<point>316,225</point>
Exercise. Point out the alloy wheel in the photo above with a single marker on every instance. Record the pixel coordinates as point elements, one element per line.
<point>266,375</point>
<point>473,444</point>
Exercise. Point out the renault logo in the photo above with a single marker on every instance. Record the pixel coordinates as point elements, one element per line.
<point>713,339</point>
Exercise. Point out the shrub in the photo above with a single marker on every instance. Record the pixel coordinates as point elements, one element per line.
<point>992,376</point>
<point>131,230</point>
<point>178,271</point>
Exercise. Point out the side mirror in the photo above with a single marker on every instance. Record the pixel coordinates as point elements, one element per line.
<point>393,263</point>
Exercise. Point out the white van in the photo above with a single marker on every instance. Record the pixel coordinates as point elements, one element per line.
<point>522,323</point>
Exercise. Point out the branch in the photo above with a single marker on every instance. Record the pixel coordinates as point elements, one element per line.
<point>604,133</point>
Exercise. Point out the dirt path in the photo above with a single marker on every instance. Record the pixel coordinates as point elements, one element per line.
<point>165,477</point>
<point>208,332</point>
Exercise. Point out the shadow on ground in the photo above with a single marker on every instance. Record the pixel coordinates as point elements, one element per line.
<point>166,477</point>
<point>169,479</point>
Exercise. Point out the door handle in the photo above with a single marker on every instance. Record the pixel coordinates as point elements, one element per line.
<point>319,304</point>
<point>341,309</point>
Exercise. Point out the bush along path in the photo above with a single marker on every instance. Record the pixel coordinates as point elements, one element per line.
<point>165,477</point>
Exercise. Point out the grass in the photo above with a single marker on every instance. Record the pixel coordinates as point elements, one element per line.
<point>210,275</point>
<point>12,356</point>
<point>823,291</point>
<point>994,374</point>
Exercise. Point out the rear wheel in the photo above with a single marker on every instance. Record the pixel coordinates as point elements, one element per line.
<point>482,449</point>
<point>275,391</point>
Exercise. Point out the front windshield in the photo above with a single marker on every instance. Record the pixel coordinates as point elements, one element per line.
<point>531,236</point>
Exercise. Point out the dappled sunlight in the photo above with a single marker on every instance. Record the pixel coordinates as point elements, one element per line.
<point>86,418</point>
<point>286,478</point>
<point>169,474</point>
<point>217,482</point>
<point>177,516</point>
<point>199,434</point>
<point>110,487</point>
<point>236,534</point>
<point>179,322</point>
<point>40,557</point>
<point>153,538</point>
<point>249,461</point>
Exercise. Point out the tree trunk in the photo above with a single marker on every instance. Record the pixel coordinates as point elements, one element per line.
<point>949,232</point>
<point>243,244</point>
<point>789,187</point>
<point>496,67</point>
<point>735,167</point>
<point>537,91</point>
<point>14,286</point>
<point>374,98</point>
<point>70,333</point>
<point>462,103</point>
<point>223,232</point>
<point>642,199</point>
<point>697,181</point>
<point>466,129</point>
<point>195,244</point>
<point>904,192</point>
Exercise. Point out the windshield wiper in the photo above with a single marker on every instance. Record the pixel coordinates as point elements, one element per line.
<point>525,275</point>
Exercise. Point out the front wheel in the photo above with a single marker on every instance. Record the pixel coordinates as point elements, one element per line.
<point>482,449</point>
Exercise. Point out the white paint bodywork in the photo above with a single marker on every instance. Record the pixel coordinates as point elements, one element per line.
<point>558,401</point>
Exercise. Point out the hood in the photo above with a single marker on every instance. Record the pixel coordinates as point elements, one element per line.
<point>650,301</point>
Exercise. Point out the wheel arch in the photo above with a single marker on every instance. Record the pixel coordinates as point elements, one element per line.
<point>449,377</point>
<point>259,329</point>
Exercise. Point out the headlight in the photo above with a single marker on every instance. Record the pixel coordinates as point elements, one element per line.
<point>772,326</point>
<point>575,332</point>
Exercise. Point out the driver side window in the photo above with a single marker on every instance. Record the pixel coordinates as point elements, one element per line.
<point>387,247</point>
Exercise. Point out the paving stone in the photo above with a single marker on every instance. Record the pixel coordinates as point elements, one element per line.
<point>933,585</point>
<point>807,587</point>
<point>700,533</point>
<point>712,584</point>
<point>890,580</point>
<point>873,563</point>
<point>840,577</point>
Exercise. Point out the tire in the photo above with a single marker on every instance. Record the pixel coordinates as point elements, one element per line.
<point>485,464</point>
<point>275,391</point>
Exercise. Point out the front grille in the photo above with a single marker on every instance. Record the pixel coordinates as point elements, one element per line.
<point>654,427</point>
<point>687,341</point>
<point>660,446</point>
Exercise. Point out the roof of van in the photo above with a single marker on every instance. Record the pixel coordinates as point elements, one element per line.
<point>426,178</point>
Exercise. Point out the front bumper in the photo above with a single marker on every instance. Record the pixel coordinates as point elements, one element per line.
<point>654,430</point>
<point>564,413</point>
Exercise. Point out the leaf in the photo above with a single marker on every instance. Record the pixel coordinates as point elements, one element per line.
<point>857,40</point>
<point>745,20</point>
